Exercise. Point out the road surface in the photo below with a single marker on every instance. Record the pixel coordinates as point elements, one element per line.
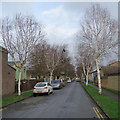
<point>69,102</point>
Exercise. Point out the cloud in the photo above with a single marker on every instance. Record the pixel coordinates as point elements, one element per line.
<point>60,23</point>
<point>55,11</point>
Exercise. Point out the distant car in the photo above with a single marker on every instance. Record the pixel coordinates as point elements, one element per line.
<point>77,80</point>
<point>57,84</point>
<point>69,81</point>
<point>42,87</point>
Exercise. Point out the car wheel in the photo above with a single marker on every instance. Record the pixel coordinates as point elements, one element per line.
<point>52,92</point>
<point>34,94</point>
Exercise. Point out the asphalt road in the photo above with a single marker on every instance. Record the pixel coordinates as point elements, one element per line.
<point>68,102</point>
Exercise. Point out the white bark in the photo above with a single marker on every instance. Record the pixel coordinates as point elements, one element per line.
<point>51,74</point>
<point>83,66</point>
<point>99,79</point>
<point>19,36</point>
<point>19,82</point>
<point>87,79</point>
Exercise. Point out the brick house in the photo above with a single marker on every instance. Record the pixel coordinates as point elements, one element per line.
<point>7,74</point>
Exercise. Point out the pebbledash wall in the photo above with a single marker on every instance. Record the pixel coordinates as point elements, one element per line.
<point>7,73</point>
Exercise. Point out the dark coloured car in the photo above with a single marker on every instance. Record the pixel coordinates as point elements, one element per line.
<point>57,84</point>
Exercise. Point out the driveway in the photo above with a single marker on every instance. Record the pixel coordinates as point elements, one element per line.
<point>68,102</point>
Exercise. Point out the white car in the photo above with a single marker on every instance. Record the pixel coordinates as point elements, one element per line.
<point>42,87</point>
<point>69,81</point>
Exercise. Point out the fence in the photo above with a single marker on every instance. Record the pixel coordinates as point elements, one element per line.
<point>111,82</point>
<point>27,84</point>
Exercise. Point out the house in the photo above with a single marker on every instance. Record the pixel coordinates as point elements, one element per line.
<point>30,75</point>
<point>23,72</point>
<point>110,76</point>
<point>7,74</point>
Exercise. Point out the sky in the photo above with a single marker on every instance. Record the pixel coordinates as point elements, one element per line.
<point>61,20</point>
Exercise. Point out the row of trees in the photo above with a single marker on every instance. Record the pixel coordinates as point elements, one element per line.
<point>25,41</point>
<point>50,60</point>
<point>97,38</point>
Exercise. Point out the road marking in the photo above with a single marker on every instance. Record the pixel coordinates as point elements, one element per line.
<point>99,113</point>
<point>3,109</point>
<point>96,113</point>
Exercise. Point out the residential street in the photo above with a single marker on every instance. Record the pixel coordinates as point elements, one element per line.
<point>68,102</point>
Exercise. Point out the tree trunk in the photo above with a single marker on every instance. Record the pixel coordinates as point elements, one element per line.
<point>19,82</point>
<point>51,74</point>
<point>83,66</point>
<point>87,79</point>
<point>99,79</point>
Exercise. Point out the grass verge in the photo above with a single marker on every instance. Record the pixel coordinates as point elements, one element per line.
<point>109,105</point>
<point>13,98</point>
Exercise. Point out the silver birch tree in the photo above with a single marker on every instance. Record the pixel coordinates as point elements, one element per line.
<point>53,57</point>
<point>99,30</point>
<point>19,36</point>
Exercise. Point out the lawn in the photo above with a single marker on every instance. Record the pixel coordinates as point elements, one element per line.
<point>13,98</point>
<point>109,105</point>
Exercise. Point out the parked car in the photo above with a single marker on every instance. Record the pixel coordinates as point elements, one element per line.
<point>77,80</point>
<point>69,81</point>
<point>57,84</point>
<point>42,87</point>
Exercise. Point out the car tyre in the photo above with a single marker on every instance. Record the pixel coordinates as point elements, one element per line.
<point>34,94</point>
<point>52,92</point>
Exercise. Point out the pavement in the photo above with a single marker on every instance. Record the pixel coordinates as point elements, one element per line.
<point>108,93</point>
<point>69,102</point>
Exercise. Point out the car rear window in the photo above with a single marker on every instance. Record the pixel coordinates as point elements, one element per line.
<point>40,85</point>
<point>55,81</point>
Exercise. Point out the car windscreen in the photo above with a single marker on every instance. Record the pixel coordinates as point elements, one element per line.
<point>40,85</point>
<point>55,81</point>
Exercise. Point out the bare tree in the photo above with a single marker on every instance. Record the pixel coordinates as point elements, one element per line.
<point>100,31</point>
<point>20,35</point>
<point>36,60</point>
<point>53,56</point>
<point>65,67</point>
<point>86,59</point>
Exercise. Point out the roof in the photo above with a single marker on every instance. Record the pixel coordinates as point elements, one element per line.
<point>3,49</point>
<point>95,70</point>
<point>114,63</point>
<point>11,67</point>
<point>11,63</point>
